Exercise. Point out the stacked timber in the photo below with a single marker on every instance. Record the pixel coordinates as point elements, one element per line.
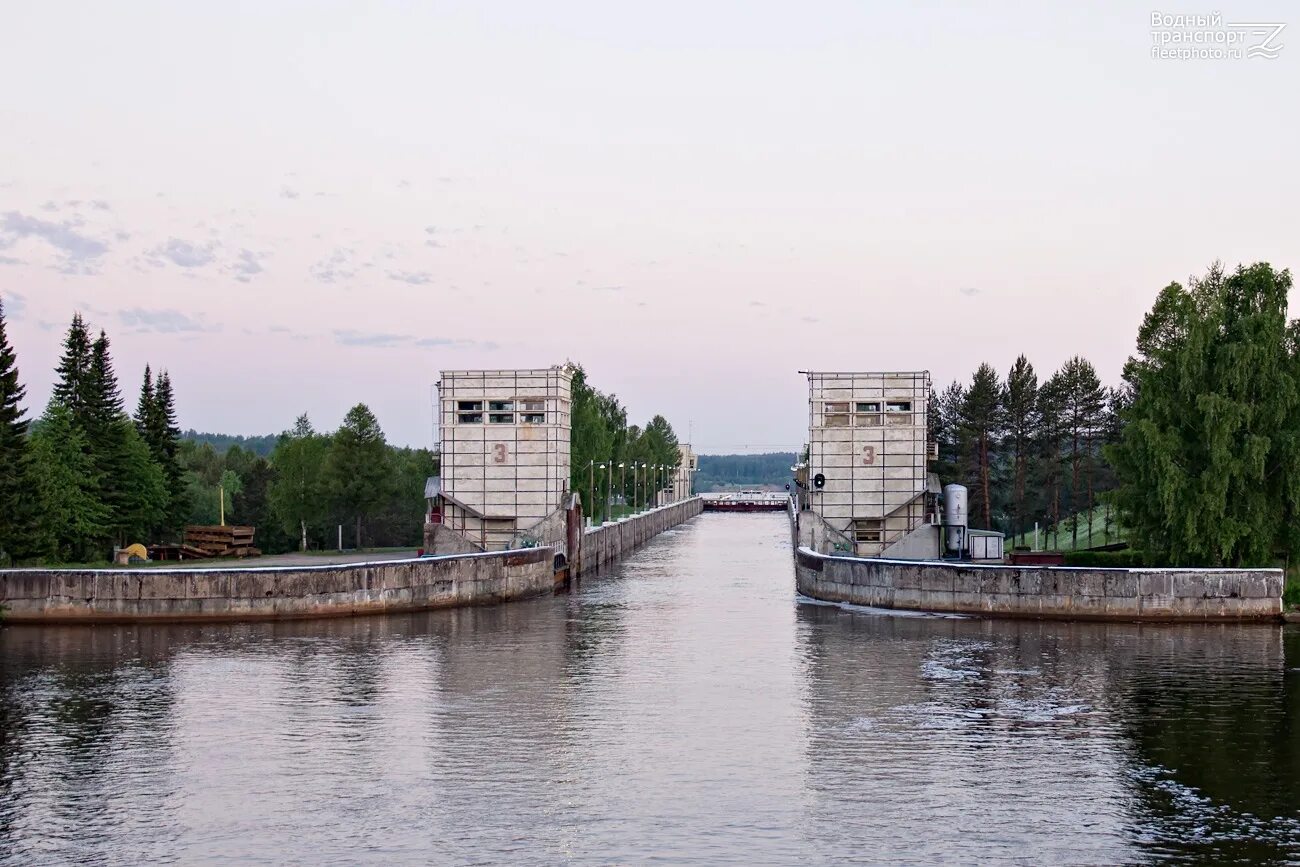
<point>222,541</point>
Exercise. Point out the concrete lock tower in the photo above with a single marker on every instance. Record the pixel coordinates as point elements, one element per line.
<point>868,442</point>
<point>504,438</point>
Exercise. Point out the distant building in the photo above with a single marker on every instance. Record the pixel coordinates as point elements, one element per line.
<point>684,476</point>
<point>504,438</point>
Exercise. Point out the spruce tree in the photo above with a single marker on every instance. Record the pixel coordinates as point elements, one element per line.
<point>73,370</point>
<point>144,408</point>
<point>65,490</point>
<point>15,499</point>
<point>358,470</point>
<point>164,439</point>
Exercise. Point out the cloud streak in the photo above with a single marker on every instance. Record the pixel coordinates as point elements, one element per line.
<point>389,340</point>
<point>183,253</point>
<point>79,252</point>
<point>163,321</point>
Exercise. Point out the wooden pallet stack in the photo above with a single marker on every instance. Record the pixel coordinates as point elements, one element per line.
<point>222,541</point>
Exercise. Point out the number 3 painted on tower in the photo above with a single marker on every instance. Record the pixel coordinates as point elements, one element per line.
<point>868,455</point>
<point>499,453</point>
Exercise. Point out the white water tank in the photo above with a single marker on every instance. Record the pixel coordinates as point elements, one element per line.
<point>954,515</point>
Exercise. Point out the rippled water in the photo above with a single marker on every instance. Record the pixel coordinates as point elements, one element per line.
<point>685,707</point>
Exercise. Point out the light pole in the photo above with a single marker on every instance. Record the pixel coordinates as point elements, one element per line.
<point>609,491</point>
<point>591,489</point>
<point>593,498</point>
<point>622,485</point>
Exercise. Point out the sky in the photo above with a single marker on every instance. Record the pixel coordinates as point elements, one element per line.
<point>298,206</point>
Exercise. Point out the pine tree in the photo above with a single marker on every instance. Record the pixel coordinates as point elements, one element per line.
<point>1048,451</point>
<point>1022,420</point>
<point>73,370</point>
<point>980,431</point>
<point>358,470</point>
<point>15,502</point>
<point>947,433</point>
<point>1083,406</point>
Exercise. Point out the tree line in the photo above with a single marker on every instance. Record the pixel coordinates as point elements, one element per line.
<point>87,476</point>
<point>1196,454</point>
<point>720,472</point>
<point>1029,451</point>
<point>601,440</point>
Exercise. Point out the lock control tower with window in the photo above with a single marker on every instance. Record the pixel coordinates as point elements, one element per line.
<point>504,440</point>
<point>868,489</point>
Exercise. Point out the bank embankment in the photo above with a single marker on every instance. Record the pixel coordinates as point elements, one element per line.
<point>1073,593</point>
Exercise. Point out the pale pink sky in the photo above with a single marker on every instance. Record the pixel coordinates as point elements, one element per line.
<point>298,206</point>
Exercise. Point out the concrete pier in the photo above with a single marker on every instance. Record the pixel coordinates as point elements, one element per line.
<point>229,592</point>
<point>1071,593</point>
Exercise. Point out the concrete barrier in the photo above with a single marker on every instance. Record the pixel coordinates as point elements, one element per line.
<point>1076,593</point>
<point>610,541</point>
<point>234,593</point>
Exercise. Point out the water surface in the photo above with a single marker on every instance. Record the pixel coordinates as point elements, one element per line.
<point>685,707</point>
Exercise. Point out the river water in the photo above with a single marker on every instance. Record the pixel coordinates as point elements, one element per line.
<point>685,707</point>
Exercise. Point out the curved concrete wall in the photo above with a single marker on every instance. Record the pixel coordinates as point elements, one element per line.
<point>1043,591</point>
<point>233,593</point>
<point>611,541</point>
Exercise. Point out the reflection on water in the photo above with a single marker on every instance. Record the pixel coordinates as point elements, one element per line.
<point>685,706</point>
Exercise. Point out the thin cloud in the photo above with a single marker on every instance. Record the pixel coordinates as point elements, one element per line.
<point>288,193</point>
<point>969,291</point>
<point>606,288</point>
<point>10,260</point>
<point>79,252</point>
<point>162,321</point>
<point>183,253</point>
<point>415,278</point>
<point>389,340</point>
<point>348,337</point>
<point>246,266</point>
<point>334,269</point>
<point>14,304</point>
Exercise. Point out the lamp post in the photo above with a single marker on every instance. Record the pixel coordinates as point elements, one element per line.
<point>599,466</point>
<point>591,489</point>
<point>622,485</point>
<point>609,491</point>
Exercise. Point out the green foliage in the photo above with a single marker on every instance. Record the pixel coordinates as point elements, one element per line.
<point>73,370</point>
<point>1022,419</point>
<point>262,446</point>
<point>16,518</point>
<point>1209,456</point>
<point>1127,559</point>
<point>979,428</point>
<point>297,494</point>
<point>65,490</point>
<point>357,472</point>
<point>719,472</point>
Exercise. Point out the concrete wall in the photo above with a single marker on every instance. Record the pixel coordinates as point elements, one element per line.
<point>274,592</point>
<point>610,541</point>
<point>1043,591</point>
